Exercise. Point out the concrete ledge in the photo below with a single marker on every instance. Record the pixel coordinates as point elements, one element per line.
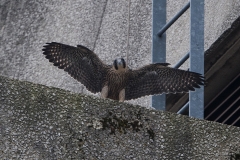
<point>39,122</point>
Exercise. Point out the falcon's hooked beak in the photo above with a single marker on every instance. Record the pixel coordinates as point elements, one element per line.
<point>119,64</point>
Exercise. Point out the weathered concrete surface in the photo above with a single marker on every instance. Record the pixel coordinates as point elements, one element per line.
<point>39,122</point>
<point>101,25</point>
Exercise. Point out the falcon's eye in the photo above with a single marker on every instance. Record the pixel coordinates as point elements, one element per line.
<point>123,62</point>
<point>115,64</point>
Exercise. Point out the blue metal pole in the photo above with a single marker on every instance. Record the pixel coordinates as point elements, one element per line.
<point>196,98</point>
<point>173,19</point>
<point>158,44</point>
<point>184,108</point>
<point>182,61</point>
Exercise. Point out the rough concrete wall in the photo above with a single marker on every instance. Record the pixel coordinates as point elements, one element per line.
<point>39,122</point>
<point>25,26</point>
<point>100,25</point>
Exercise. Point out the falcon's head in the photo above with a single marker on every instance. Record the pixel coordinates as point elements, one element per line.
<point>119,64</point>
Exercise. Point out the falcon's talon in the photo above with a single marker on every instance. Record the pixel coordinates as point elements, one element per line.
<point>117,81</point>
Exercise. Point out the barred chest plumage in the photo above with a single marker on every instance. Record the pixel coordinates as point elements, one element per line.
<point>116,82</point>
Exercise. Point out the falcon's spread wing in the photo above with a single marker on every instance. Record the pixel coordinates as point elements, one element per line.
<point>158,78</point>
<point>80,62</point>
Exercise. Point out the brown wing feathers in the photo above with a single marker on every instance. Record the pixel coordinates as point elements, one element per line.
<point>80,62</point>
<point>158,79</point>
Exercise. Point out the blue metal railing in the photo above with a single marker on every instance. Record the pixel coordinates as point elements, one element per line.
<point>158,45</point>
<point>185,8</point>
<point>196,54</point>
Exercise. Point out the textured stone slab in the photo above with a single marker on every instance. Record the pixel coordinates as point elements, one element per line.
<point>39,122</point>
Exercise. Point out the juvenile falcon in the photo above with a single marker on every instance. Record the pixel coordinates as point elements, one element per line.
<point>117,81</point>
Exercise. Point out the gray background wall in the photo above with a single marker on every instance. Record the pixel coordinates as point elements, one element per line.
<point>25,26</point>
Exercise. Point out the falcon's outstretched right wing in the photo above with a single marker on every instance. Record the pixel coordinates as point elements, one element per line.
<point>158,78</point>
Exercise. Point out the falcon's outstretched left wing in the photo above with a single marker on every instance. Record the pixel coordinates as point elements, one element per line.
<point>80,62</point>
<point>158,78</point>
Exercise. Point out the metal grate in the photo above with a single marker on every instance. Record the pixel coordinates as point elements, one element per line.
<point>225,106</point>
